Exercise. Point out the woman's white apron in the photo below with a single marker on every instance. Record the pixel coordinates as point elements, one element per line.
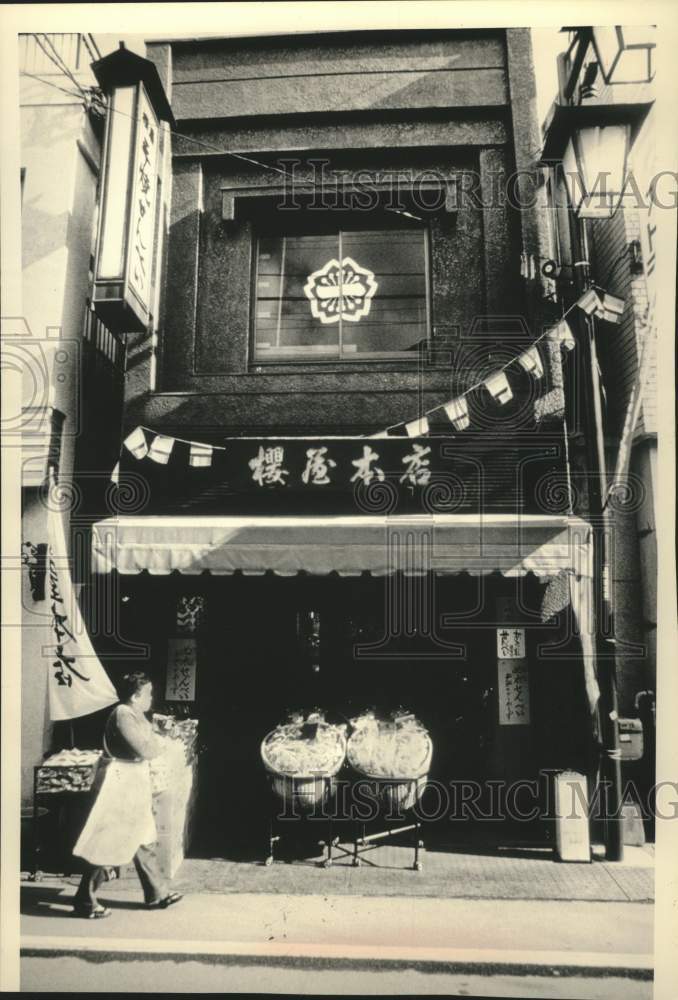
<point>121,819</point>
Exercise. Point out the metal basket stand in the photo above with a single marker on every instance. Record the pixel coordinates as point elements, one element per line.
<point>274,835</point>
<point>368,842</point>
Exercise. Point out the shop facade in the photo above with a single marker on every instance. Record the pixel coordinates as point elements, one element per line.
<point>344,480</point>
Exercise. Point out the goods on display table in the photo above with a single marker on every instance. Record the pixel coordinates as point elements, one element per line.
<point>67,771</point>
<point>394,755</point>
<point>394,748</point>
<point>304,749</point>
<point>302,757</point>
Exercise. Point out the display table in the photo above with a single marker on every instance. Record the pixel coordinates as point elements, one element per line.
<point>63,775</point>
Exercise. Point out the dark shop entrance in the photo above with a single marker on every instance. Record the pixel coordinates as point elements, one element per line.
<point>269,645</point>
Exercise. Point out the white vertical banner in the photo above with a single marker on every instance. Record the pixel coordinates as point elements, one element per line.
<point>78,684</point>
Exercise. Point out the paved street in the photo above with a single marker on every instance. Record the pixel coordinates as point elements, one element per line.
<point>254,942</point>
<point>60,974</point>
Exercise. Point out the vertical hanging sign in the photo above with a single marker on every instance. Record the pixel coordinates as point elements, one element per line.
<point>512,677</point>
<point>126,237</point>
<point>182,660</point>
<point>142,209</point>
<point>182,651</point>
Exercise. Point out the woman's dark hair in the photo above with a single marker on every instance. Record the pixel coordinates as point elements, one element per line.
<point>131,684</point>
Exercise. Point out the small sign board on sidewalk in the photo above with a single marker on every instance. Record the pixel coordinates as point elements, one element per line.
<point>572,820</point>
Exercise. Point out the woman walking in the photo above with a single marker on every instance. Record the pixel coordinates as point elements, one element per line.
<point>120,827</point>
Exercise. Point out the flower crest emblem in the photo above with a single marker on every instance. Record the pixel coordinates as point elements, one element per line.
<point>340,291</point>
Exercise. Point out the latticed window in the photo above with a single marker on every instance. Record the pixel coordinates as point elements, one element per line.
<point>341,294</point>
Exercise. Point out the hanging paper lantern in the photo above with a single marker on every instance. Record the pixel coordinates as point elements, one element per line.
<point>417,427</point>
<point>457,412</point>
<point>201,455</point>
<point>531,362</point>
<point>161,449</point>
<point>136,443</point>
<point>498,387</point>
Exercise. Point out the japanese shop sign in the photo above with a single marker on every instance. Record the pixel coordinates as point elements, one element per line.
<point>332,474</point>
<point>340,291</point>
<point>512,677</point>
<point>144,187</point>
<point>510,643</point>
<point>182,659</point>
<point>125,252</point>
<point>514,693</point>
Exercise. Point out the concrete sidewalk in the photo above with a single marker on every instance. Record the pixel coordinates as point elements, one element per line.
<point>548,937</point>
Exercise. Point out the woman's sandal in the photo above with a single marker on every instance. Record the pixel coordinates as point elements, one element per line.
<point>169,900</point>
<point>98,914</point>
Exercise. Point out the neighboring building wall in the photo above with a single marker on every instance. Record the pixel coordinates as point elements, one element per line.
<point>60,160</point>
<point>633,555</point>
<point>634,569</point>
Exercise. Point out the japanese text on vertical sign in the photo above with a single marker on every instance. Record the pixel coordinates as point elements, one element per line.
<point>181,667</point>
<point>514,693</point>
<point>510,643</point>
<point>65,660</point>
<point>143,199</point>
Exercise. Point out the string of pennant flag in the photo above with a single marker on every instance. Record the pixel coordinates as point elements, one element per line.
<point>144,443</point>
<point>593,302</point>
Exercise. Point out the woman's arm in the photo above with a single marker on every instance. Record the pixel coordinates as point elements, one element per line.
<point>144,743</point>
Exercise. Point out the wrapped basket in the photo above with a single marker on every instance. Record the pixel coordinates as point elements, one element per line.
<point>301,766</point>
<point>396,755</point>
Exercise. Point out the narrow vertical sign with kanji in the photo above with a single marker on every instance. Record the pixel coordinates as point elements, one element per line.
<point>512,677</point>
<point>144,187</point>
<point>182,658</point>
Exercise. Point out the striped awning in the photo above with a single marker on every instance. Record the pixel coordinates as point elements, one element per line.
<point>545,545</point>
<point>347,545</point>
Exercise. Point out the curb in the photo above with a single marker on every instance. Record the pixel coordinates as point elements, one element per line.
<point>327,956</point>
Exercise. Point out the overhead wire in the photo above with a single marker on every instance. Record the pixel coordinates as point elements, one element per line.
<point>50,83</point>
<point>57,61</point>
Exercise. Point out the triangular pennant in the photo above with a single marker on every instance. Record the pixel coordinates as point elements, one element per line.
<point>115,475</point>
<point>563,334</point>
<point>530,360</point>
<point>457,412</point>
<point>612,308</point>
<point>136,443</point>
<point>417,427</point>
<point>201,455</point>
<point>161,449</point>
<point>498,387</point>
<point>590,302</point>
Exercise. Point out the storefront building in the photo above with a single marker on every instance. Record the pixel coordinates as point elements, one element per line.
<point>344,482</point>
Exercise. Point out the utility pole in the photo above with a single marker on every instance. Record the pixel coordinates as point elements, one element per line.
<point>602,526</point>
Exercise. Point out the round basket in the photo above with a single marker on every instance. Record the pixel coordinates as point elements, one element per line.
<point>400,778</point>
<point>300,768</point>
